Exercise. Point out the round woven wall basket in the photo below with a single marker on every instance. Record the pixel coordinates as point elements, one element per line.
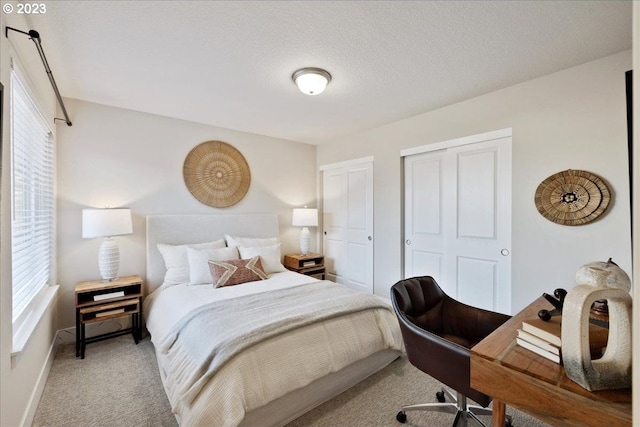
<point>572,197</point>
<point>216,174</point>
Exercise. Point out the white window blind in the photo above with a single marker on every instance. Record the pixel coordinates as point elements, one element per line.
<point>32,207</point>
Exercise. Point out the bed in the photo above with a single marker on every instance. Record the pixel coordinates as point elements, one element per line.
<point>219,368</point>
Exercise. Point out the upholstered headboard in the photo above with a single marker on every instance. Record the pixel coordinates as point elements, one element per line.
<point>183,229</point>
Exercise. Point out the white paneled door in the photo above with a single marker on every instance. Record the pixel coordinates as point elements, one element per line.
<point>347,206</point>
<point>458,219</point>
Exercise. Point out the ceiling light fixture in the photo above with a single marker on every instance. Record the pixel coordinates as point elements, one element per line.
<point>311,81</point>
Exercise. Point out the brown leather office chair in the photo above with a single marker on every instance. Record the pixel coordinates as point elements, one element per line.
<point>438,333</point>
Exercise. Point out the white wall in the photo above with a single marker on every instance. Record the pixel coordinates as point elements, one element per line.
<point>21,384</point>
<point>116,157</point>
<point>573,119</point>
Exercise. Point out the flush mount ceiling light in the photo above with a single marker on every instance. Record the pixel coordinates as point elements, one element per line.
<point>311,81</point>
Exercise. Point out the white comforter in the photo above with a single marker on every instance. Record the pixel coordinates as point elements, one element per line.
<point>272,368</point>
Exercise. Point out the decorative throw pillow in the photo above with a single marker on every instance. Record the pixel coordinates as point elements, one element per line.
<point>176,261</point>
<point>199,272</point>
<point>228,273</point>
<point>250,242</point>
<point>270,256</point>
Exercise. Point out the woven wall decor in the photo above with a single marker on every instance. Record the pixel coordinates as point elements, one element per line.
<point>572,197</point>
<point>216,174</point>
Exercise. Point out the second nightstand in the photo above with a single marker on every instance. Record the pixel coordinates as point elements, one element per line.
<point>97,301</point>
<point>310,264</point>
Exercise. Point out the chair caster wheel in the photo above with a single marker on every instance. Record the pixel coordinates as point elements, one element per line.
<point>440,396</point>
<point>401,417</point>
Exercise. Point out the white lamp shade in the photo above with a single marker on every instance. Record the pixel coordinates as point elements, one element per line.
<point>106,222</point>
<point>305,217</point>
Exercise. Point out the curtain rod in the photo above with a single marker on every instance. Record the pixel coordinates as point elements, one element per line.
<point>35,36</point>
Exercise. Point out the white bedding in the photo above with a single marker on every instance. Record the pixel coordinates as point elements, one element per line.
<point>272,368</point>
<point>173,302</point>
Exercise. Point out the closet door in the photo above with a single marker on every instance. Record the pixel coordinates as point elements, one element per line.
<point>458,221</point>
<point>347,206</point>
<point>424,209</point>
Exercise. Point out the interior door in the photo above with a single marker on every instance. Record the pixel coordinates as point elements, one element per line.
<point>348,224</point>
<point>458,221</point>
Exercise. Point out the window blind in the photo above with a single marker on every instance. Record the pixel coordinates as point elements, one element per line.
<point>32,199</point>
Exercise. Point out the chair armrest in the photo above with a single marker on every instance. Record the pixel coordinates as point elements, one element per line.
<point>489,321</point>
<point>469,322</point>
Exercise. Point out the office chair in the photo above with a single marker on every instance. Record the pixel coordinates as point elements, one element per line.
<point>438,333</point>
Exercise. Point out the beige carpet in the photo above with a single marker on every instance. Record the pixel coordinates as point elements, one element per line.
<point>118,384</point>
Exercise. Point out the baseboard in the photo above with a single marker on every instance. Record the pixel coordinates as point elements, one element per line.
<point>66,336</point>
<point>34,400</point>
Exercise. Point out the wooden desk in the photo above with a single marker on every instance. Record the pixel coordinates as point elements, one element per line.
<point>522,379</point>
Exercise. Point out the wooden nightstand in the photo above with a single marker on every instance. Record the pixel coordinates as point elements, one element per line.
<point>98,300</point>
<point>310,264</point>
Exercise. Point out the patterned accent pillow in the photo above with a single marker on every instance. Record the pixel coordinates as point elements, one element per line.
<point>235,272</point>
<point>199,271</point>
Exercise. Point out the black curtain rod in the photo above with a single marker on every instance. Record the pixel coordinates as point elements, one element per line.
<point>35,36</point>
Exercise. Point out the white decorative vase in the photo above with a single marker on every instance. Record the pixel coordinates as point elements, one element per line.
<point>603,274</point>
<point>598,281</point>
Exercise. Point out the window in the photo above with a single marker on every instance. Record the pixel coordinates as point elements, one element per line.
<point>32,201</point>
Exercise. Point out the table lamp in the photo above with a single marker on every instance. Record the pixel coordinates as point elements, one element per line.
<point>304,217</point>
<point>107,222</point>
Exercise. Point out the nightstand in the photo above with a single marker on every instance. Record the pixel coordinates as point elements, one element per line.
<point>98,300</point>
<point>310,264</point>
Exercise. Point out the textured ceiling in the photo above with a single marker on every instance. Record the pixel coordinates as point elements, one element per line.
<point>229,64</point>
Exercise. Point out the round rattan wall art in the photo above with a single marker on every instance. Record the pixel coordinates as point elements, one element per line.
<point>572,197</point>
<point>216,174</point>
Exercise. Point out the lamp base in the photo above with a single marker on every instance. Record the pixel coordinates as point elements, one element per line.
<point>305,239</point>
<point>109,259</point>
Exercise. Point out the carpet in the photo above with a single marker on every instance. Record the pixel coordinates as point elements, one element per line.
<point>118,384</point>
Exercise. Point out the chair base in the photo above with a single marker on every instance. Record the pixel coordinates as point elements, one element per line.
<point>457,406</point>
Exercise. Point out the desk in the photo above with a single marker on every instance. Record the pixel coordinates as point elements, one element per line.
<point>522,379</point>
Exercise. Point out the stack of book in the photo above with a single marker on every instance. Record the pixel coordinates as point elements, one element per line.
<point>544,338</point>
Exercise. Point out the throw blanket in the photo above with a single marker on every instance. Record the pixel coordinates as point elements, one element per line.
<point>207,338</point>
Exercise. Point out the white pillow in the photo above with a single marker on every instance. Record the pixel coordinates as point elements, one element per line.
<point>269,255</point>
<point>176,261</point>
<point>199,272</point>
<point>250,242</point>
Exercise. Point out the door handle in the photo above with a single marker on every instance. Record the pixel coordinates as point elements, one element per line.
<point>504,252</point>
<point>408,242</point>
<point>369,238</point>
